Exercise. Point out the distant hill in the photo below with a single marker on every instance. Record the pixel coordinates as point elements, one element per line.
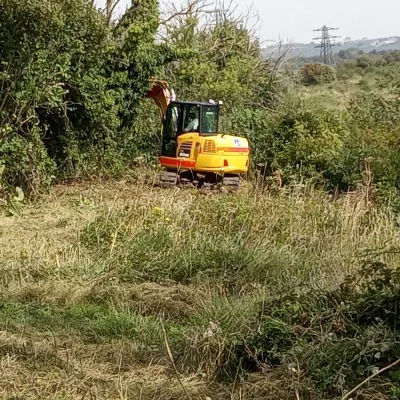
<point>309,50</point>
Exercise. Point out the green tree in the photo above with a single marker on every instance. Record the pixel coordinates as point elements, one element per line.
<point>70,85</point>
<point>223,61</point>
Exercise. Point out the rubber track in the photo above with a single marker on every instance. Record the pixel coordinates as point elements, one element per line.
<point>170,179</point>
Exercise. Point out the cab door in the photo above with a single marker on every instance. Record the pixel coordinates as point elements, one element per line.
<point>170,131</point>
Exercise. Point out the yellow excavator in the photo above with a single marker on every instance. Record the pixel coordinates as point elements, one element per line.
<point>193,150</point>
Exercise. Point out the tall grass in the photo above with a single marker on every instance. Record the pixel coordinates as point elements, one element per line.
<point>110,266</point>
<point>275,240</point>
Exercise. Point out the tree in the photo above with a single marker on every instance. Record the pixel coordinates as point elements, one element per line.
<point>314,74</point>
<point>223,57</point>
<point>364,61</point>
<point>70,85</point>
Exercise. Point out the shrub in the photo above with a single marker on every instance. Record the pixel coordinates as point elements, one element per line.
<point>374,125</point>
<point>335,338</point>
<point>299,142</point>
<point>53,92</point>
<point>314,74</point>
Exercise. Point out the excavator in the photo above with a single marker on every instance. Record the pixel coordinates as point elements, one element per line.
<point>193,151</point>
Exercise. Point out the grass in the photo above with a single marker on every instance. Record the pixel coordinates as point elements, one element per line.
<point>92,273</point>
<point>338,94</point>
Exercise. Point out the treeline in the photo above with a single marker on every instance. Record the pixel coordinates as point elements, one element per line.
<point>378,57</point>
<point>72,85</point>
<point>353,63</point>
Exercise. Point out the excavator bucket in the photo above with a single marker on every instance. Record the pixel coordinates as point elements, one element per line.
<point>162,94</point>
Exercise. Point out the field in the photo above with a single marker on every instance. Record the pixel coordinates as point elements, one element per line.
<point>112,288</point>
<point>117,289</point>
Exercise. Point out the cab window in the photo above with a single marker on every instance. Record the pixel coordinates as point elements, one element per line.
<point>209,120</point>
<point>191,116</point>
<point>172,121</point>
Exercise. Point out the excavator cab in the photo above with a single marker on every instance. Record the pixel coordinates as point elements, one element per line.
<point>183,117</point>
<point>193,150</point>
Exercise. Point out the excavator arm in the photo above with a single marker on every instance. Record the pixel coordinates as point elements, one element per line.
<point>162,94</point>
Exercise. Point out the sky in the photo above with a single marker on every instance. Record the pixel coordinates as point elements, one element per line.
<point>295,20</point>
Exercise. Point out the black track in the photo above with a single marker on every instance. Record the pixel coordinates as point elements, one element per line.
<point>170,179</point>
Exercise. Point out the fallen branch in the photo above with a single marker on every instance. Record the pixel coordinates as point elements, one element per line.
<point>171,358</point>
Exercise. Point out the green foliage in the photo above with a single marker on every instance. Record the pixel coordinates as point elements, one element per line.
<point>51,57</point>
<point>307,142</point>
<point>93,322</point>
<point>154,250</point>
<point>143,139</point>
<point>350,54</point>
<point>10,198</point>
<point>337,148</point>
<point>70,86</point>
<point>375,63</point>
<point>337,337</point>
<point>347,70</point>
<point>222,61</point>
<point>71,90</point>
<point>374,125</point>
<point>364,61</point>
<point>299,142</point>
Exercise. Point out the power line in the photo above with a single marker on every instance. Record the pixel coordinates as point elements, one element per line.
<point>326,45</point>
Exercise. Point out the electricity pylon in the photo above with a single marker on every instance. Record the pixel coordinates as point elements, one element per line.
<point>326,45</point>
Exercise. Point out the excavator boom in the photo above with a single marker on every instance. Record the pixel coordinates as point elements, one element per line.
<point>162,94</point>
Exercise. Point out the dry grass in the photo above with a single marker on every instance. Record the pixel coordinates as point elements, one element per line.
<point>84,281</point>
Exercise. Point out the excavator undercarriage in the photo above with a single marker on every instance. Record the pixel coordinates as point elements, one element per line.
<point>193,179</point>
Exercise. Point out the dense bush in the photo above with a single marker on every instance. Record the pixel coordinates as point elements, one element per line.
<point>224,62</point>
<point>70,85</point>
<point>374,125</point>
<point>375,63</point>
<point>298,142</point>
